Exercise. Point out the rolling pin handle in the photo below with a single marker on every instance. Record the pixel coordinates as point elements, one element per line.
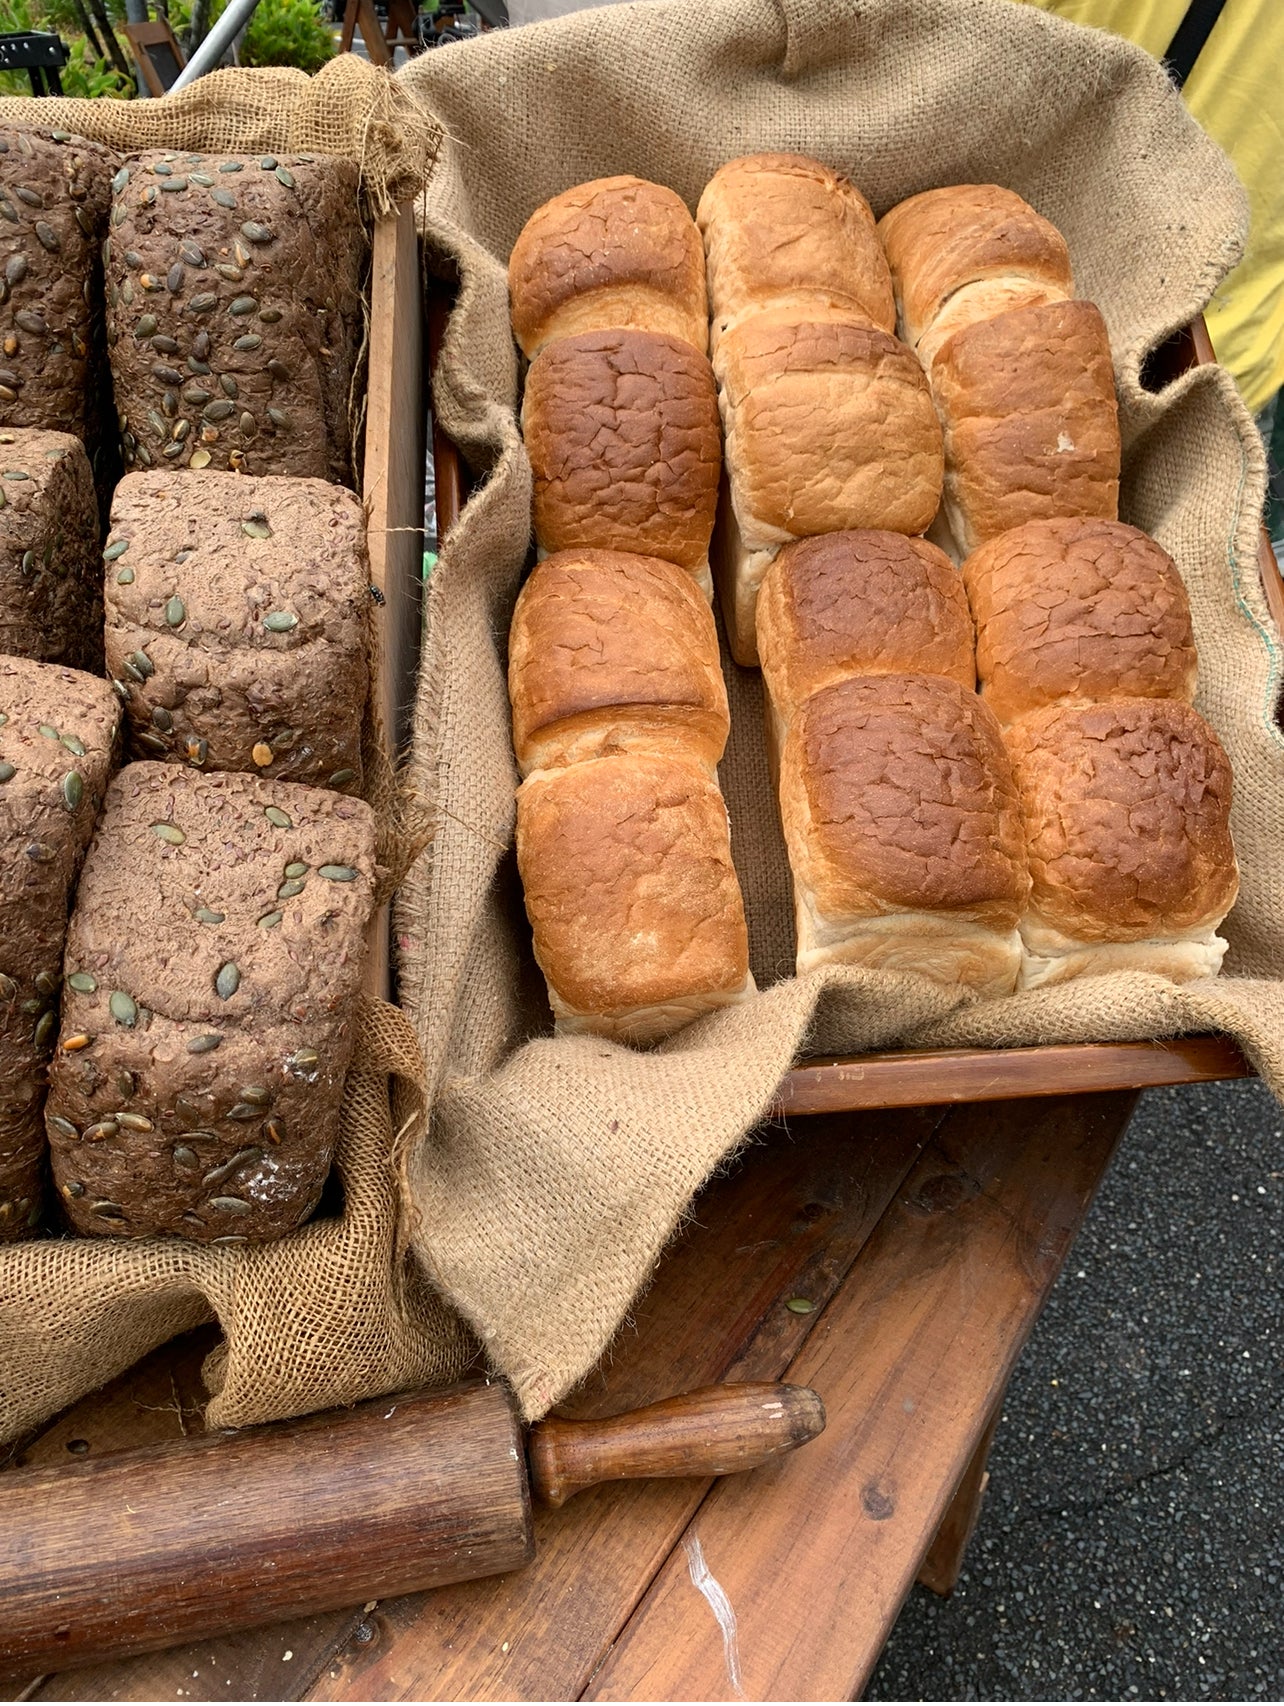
<point>717,1430</point>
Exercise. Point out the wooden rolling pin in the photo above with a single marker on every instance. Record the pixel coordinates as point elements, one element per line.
<point>143,1549</point>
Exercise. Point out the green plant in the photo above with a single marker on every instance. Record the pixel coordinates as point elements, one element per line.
<point>288,32</point>
<point>85,74</point>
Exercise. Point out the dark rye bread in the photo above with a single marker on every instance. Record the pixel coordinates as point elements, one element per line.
<point>238,623</point>
<point>51,573</point>
<point>55,191</point>
<point>57,747</point>
<point>213,960</point>
<point>234,311</point>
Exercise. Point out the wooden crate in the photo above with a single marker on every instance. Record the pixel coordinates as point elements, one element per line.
<point>393,493</point>
<point>926,1077</point>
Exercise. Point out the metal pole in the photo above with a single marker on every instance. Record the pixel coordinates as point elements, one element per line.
<point>211,51</point>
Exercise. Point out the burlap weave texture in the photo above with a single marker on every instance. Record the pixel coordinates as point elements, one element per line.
<point>554,1170</point>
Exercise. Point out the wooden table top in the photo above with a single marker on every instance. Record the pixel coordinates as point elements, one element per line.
<point>894,1260</point>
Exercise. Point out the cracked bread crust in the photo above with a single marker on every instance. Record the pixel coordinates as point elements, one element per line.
<point>207,1016</point>
<point>622,432</point>
<point>896,794</point>
<point>616,252</point>
<point>54,195</point>
<point>51,599</point>
<point>784,231</point>
<point>943,241</point>
<point>829,425</point>
<point>861,602</point>
<point>1027,401</point>
<point>612,652</point>
<point>1127,814</point>
<point>238,622</point>
<point>58,745</point>
<point>631,893</point>
<point>234,311</point>
<point>1078,609</point>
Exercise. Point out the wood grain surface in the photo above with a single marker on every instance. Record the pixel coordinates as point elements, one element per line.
<point>784,1587</point>
<point>197,1537</point>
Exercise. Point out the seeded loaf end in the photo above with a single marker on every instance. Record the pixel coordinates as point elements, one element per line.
<point>51,601</point>
<point>57,746</point>
<point>54,197</point>
<point>234,311</point>
<point>238,621</point>
<point>213,958</point>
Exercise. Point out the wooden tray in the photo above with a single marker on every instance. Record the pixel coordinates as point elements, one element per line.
<point>924,1077</point>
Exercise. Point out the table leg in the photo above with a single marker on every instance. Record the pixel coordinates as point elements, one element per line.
<point>941,1568</point>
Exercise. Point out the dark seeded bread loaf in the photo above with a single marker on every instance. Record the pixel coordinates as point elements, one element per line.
<point>213,959</point>
<point>237,623</point>
<point>57,745</point>
<point>54,195</point>
<point>51,597</point>
<point>234,311</point>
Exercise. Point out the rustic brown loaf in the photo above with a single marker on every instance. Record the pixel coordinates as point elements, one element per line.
<point>861,602</point>
<point>51,586</point>
<point>58,733</point>
<point>213,958</point>
<point>610,653</point>
<point>622,431</point>
<point>904,834</point>
<point>784,231</point>
<point>1027,402</point>
<point>1126,808</point>
<point>234,311</point>
<point>1078,609</point>
<point>829,425</point>
<point>54,195</point>
<point>238,623</point>
<point>966,253</point>
<point>614,253</point>
<point>632,897</point>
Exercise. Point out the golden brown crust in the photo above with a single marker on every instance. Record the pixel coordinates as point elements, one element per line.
<point>829,425</point>
<point>622,432</point>
<point>1027,401</point>
<point>861,602</point>
<point>611,652</point>
<point>896,794</point>
<point>1078,609</point>
<point>613,252</point>
<point>783,230</point>
<point>941,241</point>
<point>630,889</point>
<point>1127,809</point>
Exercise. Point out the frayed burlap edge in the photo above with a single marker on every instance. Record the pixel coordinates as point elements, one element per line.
<point>350,108</point>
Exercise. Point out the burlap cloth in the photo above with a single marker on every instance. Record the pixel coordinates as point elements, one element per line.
<point>554,1171</point>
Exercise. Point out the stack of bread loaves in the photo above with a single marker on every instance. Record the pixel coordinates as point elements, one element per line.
<point>1085,651</point>
<point>619,707</point>
<point>828,418</point>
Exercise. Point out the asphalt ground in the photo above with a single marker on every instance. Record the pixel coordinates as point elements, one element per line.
<point>1131,1543</point>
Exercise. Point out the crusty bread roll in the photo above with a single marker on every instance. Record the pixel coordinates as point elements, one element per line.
<point>904,831</point>
<point>1078,609</point>
<point>1027,403</point>
<point>617,252</point>
<point>784,231</point>
<point>622,431</point>
<point>1126,809</point>
<point>967,253</point>
<point>860,602</point>
<point>632,897</point>
<point>610,652</point>
<point>829,425</point>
